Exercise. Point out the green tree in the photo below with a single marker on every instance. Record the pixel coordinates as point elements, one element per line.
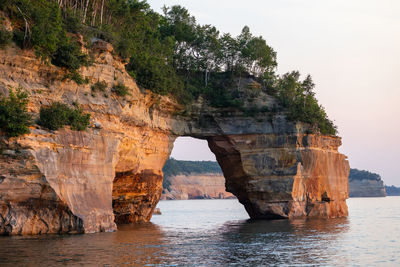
<point>14,117</point>
<point>179,24</point>
<point>69,55</point>
<point>229,52</point>
<point>57,115</point>
<point>47,26</point>
<point>299,99</point>
<point>168,54</point>
<point>5,37</point>
<point>205,51</point>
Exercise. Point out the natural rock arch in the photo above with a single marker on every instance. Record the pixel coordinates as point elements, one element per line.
<point>274,169</point>
<point>67,181</point>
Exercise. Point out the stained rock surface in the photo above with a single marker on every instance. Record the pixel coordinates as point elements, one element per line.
<point>285,176</point>
<point>66,181</point>
<point>69,181</point>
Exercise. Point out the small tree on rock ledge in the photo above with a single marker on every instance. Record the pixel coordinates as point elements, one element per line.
<point>14,117</point>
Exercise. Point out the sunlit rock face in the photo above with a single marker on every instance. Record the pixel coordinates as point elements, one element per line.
<point>284,176</point>
<point>196,186</point>
<point>28,204</point>
<point>66,181</point>
<point>272,166</point>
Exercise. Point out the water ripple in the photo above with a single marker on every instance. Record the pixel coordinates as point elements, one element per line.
<point>218,233</point>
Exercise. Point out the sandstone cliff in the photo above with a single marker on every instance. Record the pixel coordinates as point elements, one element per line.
<point>392,190</point>
<point>193,180</point>
<point>196,186</point>
<point>365,184</point>
<point>366,188</point>
<point>67,181</point>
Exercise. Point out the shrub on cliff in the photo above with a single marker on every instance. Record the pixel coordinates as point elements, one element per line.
<point>40,25</point>
<point>14,117</point>
<point>69,55</point>
<point>37,24</point>
<point>78,120</point>
<point>99,86</point>
<point>120,89</point>
<point>5,37</point>
<point>76,77</point>
<point>58,115</point>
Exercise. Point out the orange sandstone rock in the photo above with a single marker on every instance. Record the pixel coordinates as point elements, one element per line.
<point>285,176</point>
<point>66,181</point>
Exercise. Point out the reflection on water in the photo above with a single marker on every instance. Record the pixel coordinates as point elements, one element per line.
<point>135,245</point>
<point>218,233</point>
<point>283,242</point>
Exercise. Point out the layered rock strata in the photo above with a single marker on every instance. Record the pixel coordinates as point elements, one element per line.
<point>284,176</point>
<point>196,186</point>
<point>66,181</point>
<point>366,188</point>
<point>70,181</point>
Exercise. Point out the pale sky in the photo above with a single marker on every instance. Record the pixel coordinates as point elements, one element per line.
<point>352,50</point>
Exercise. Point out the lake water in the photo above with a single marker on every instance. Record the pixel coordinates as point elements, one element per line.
<point>217,233</point>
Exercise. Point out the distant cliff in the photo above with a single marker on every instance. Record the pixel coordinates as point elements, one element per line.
<point>392,190</point>
<point>193,180</point>
<point>204,180</point>
<point>365,184</point>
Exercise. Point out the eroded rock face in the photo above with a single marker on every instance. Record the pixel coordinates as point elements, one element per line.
<point>135,196</point>
<point>284,176</point>
<point>70,181</point>
<point>196,186</point>
<point>66,181</point>
<point>28,204</point>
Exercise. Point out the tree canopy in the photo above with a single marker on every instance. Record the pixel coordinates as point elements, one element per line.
<point>167,53</point>
<point>356,174</point>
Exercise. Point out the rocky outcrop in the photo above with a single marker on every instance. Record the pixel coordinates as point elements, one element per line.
<point>366,188</point>
<point>284,176</point>
<point>28,204</point>
<point>392,190</point>
<point>196,186</point>
<point>365,184</point>
<point>66,181</point>
<point>272,166</point>
<point>82,181</point>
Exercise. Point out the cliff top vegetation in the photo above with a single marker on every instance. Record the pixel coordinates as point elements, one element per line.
<point>167,53</point>
<point>356,174</point>
<point>174,167</point>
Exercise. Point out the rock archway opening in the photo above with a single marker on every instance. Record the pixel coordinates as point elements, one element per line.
<point>273,176</point>
<point>192,149</point>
